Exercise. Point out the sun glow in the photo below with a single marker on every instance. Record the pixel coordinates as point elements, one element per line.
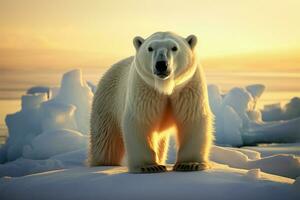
<point>161,138</point>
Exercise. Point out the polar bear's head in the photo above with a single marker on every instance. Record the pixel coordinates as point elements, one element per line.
<point>165,60</point>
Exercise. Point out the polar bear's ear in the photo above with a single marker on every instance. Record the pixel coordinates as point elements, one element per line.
<point>192,41</point>
<point>137,42</point>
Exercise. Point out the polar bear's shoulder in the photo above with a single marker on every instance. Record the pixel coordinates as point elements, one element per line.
<point>117,70</point>
<point>123,63</point>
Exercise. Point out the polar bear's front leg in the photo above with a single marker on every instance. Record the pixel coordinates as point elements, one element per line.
<point>194,144</point>
<point>138,143</point>
<point>194,135</point>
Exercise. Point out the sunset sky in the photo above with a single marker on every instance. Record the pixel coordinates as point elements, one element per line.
<point>239,35</point>
<point>241,42</point>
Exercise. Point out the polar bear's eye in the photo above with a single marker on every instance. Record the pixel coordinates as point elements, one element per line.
<point>150,49</point>
<point>174,48</point>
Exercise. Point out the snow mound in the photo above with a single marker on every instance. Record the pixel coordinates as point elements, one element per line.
<point>58,116</point>
<point>92,87</point>
<point>215,98</point>
<point>52,111</point>
<point>256,90</point>
<point>51,143</point>
<point>75,91</point>
<point>23,126</point>
<point>254,174</point>
<point>72,159</point>
<point>40,89</point>
<point>229,157</point>
<point>27,166</point>
<point>232,127</point>
<point>23,166</point>
<point>238,122</point>
<point>251,154</point>
<point>275,112</point>
<point>31,101</point>
<point>272,149</point>
<point>282,164</point>
<point>276,132</point>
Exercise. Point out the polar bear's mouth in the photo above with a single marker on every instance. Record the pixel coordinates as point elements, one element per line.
<point>163,76</point>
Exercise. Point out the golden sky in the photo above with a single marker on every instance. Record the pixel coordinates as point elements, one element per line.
<point>233,34</point>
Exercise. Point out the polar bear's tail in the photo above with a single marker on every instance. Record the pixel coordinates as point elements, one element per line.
<point>106,143</point>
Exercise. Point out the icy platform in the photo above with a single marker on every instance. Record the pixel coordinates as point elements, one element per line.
<point>113,183</point>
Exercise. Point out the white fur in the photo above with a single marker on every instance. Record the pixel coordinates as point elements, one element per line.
<point>132,107</point>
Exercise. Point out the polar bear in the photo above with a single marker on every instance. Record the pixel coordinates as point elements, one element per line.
<point>161,86</point>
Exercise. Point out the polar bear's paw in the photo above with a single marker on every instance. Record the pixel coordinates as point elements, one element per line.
<point>191,166</point>
<point>153,169</point>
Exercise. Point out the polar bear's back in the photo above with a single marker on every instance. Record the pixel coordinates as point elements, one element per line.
<point>111,90</point>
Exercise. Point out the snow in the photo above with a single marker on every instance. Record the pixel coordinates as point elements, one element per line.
<point>289,111</point>
<point>273,149</point>
<point>280,131</point>
<point>251,154</point>
<point>215,98</point>
<point>75,91</point>
<point>238,122</point>
<point>254,174</point>
<point>42,119</point>
<point>92,86</point>
<point>240,100</point>
<point>281,164</point>
<point>31,101</point>
<point>45,153</point>
<point>287,165</point>
<point>39,90</point>
<point>57,116</point>
<point>232,127</point>
<point>23,166</point>
<point>116,183</point>
<point>256,90</point>
<point>51,143</point>
<point>23,126</point>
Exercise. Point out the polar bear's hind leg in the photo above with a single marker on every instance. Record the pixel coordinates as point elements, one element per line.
<point>106,142</point>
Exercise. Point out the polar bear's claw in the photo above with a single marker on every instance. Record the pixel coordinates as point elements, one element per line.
<point>153,169</point>
<point>190,166</point>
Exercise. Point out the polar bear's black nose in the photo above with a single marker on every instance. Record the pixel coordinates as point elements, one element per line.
<point>161,67</point>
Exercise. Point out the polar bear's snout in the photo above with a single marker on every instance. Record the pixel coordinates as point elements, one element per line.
<point>161,68</point>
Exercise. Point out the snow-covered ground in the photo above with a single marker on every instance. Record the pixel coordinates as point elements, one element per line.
<point>44,156</point>
<point>115,183</point>
<point>65,177</point>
